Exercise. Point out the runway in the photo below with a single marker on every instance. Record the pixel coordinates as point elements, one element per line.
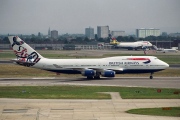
<point>157,82</point>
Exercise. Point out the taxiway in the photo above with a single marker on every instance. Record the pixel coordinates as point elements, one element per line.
<point>59,109</point>
<point>157,82</point>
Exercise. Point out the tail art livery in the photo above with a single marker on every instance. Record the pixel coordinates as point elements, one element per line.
<point>130,45</point>
<point>91,68</point>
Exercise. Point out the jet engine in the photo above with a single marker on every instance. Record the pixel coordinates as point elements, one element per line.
<point>108,73</point>
<point>88,72</point>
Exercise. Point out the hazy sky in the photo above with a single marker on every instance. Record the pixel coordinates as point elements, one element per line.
<point>73,16</point>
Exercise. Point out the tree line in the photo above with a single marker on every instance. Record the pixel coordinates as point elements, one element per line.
<point>85,40</point>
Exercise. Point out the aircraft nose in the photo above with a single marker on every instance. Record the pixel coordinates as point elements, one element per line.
<point>167,65</point>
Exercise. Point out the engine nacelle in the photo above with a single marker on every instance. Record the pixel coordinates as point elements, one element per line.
<point>88,72</point>
<point>108,73</point>
<point>144,47</point>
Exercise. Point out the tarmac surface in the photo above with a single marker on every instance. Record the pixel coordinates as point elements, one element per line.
<point>66,109</point>
<point>156,82</point>
<point>85,109</point>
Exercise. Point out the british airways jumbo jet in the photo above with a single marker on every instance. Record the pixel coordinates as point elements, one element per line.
<point>130,45</point>
<point>91,68</point>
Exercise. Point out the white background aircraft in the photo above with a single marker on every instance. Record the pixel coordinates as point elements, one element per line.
<point>130,45</point>
<point>164,50</point>
<point>91,68</point>
<point>168,50</point>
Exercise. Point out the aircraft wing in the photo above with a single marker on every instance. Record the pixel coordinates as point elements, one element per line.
<point>97,69</point>
<point>90,68</point>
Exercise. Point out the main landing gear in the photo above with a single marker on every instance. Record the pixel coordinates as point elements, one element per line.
<point>89,77</point>
<point>97,76</point>
<point>151,76</point>
<point>93,77</point>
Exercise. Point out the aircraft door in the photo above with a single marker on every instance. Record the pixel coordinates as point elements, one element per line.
<point>126,66</point>
<point>147,66</point>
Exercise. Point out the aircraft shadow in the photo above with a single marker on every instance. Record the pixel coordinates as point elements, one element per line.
<point>85,79</point>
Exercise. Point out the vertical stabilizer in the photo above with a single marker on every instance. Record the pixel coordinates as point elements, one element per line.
<point>113,41</point>
<point>23,51</point>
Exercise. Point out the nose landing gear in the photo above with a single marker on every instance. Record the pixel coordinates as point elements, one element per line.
<point>151,76</point>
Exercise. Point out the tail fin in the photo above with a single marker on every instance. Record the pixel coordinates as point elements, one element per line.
<point>113,41</point>
<point>23,51</point>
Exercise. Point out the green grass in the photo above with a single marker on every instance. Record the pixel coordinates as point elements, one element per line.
<point>111,55</point>
<point>173,111</point>
<point>149,93</point>
<point>11,71</point>
<point>57,56</point>
<point>84,92</point>
<point>170,59</point>
<point>10,55</point>
<point>51,92</point>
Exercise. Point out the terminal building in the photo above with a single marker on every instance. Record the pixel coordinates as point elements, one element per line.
<point>54,34</point>
<point>103,31</point>
<point>89,32</point>
<point>142,33</point>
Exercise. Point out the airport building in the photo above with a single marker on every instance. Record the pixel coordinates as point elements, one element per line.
<point>54,34</point>
<point>89,32</point>
<point>174,34</point>
<point>117,33</point>
<point>49,33</point>
<point>103,31</point>
<point>142,33</point>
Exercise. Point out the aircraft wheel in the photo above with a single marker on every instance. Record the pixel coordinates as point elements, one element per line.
<point>96,77</point>
<point>151,77</point>
<point>89,77</point>
<point>28,65</point>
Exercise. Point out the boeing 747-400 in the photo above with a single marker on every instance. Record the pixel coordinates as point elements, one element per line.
<point>130,45</point>
<point>91,68</point>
